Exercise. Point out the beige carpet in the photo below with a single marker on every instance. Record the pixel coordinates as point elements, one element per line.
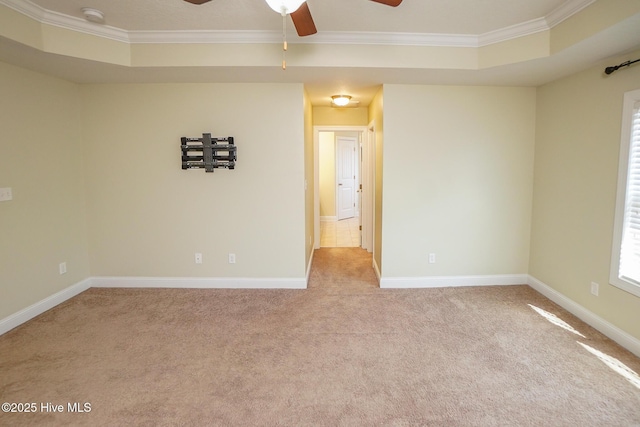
<point>341,353</point>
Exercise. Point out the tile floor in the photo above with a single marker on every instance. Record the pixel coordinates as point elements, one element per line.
<point>343,233</point>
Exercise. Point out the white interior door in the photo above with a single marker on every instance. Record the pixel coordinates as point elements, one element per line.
<point>345,177</point>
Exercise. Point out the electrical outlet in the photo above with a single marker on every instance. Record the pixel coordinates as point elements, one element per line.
<point>62,268</point>
<point>595,288</point>
<point>198,258</point>
<point>232,258</point>
<point>432,258</point>
<point>5,194</point>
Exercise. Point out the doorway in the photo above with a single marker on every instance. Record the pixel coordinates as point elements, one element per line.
<point>347,176</point>
<point>340,198</point>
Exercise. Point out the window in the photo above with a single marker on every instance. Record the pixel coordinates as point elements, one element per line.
<point>625,258</point>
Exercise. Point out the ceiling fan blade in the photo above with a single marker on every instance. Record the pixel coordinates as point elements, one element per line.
<point>303,21</point>
<point>392,3</point>
<point>197,1</point>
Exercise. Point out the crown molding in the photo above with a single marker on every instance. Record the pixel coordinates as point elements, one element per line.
<point>513,32</point>
<point>60,20</point>
<point>566,10</point>
<point>26,8</point>
<point>44,16</point>
<point>80,25</point>
<point>558,15</point>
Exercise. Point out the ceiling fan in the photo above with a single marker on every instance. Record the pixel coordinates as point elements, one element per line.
<point>300,13</point>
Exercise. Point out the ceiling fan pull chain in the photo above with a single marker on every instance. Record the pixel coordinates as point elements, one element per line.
<point>284,41</point>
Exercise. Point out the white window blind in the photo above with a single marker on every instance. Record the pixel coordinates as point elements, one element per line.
<point>625,253</point>
<point>630,245</point>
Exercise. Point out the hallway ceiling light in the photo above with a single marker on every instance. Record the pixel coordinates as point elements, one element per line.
<point>341,100</point>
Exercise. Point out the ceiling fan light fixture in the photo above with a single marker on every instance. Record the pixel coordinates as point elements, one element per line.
<point>341,100</point>
<point>285,7</point>
<point>93,15</point>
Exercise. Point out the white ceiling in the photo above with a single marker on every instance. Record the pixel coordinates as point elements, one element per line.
<point>418,17</point>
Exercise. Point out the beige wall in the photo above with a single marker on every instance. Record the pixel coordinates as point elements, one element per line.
<point>577,148</point>
<point>458,174</point>
<point>458,181</point>
<point>327,175</point>
<point>330,116</point>
<point>41,160</point>
<point>147,217</point>
<point>377,118</point>
<point>308,177</point>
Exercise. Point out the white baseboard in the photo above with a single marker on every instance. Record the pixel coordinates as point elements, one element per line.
<point>613,332</point>
<point>453,281</point>
<point>40,307</point>
<point>199,282</point>
<point>48,303</point>
<point>616,334</point>
<point>376,269</point>
<point>309,265</point>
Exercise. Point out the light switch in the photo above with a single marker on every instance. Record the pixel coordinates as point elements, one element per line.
<point>5,194</point>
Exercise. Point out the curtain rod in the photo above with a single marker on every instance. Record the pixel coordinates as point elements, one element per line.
<point>610,70</point>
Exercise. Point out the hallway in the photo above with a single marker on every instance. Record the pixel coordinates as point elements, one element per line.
<point>343,233</point>
<point>345,268</point>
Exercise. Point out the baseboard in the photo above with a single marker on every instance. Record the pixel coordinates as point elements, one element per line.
<point>453,281</point>
<point>199,282</point>
<point>616,334</point>
<point>309,266</point>
<point>328,218</point>
<point>613,332</point>
<point>24,315</point>
<point>40,307</point>
<point>376,270</point>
